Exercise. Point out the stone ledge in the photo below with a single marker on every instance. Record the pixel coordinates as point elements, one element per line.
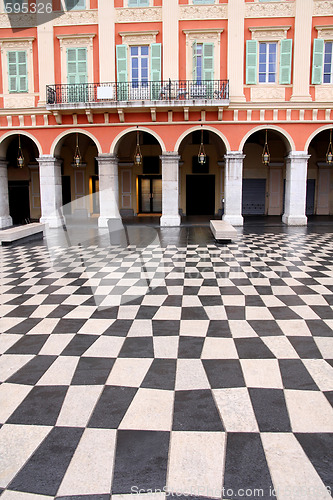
<point>17,233</point>
<point>222,230</point>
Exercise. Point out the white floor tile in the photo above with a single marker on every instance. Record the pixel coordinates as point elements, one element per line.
<point>219,348</point>
<point>190,375</point>
<point>309,411</point>
<point>105,347</point>
<point>11,396</point>
<point>60,372</point>
<point>129,372</point>
<point>193,328</point>
<point>166,347</point>
<point>241,329</point>
<point>78,405</point>
<point>236,409</point>
<point>262,373</point>
<point>11,363</point>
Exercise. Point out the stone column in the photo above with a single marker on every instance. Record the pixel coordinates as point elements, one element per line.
<point>170,189</point>
<point>5,218</point>
<point>295,193</point>
<point>233,179</point>
<point>50,190</point>
<point>108,188</point>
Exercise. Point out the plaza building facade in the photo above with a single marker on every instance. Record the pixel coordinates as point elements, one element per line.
<point>165,79</point>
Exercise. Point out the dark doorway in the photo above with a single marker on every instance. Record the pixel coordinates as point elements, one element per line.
<point>19,205</point>
<point>254,196</point>
<point>310,196</point>
<point>150,194</point>
<point>66,194</point>
<point>200,194</point>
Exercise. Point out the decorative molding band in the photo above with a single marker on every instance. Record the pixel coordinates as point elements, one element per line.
<point>17,21</point>
<point>271,33</point>
<point>265,94</point>
<point>195,12</point>
<point>19,101</point>
<point>79,17</point>
<point>324,93</point>
<point>325,32</point>
<point>85,39</point>
<point>138,15</point>
<point>323,8</point>
<point>203,35</point>
<point>274,9</point>
<point>131,37</point>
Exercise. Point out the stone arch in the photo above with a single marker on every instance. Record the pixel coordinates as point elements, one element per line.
<point>288,140</point>
<point>314,134</point>
<point>116,141</point>
<point>205,127</point>
<point>57,143</point>
<point>6,138</point>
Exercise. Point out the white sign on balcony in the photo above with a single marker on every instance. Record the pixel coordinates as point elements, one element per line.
<point>105,93</point>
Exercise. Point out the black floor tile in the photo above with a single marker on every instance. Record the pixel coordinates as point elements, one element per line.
<point>252,348</point>
<point>235,312</point>
<point>161,375</point>
<point>25,326</point>
<point>223,373</point>
<point>329,396</point>
<point>111,407</point>
<point>190,347</point>
<point>21,312</point>
<point>79,344</point>
<point>295,375</point>
<point>69,325</point>
<point>319,328</point>
<point>318,447</point>
<point>283,313</point>
<point>305,347</point>
<point>40,407</point>
<point>219,328</point>
<point>29,344</point>
<point>85,497</point>
<point>44,471</point>
<point>270,410</point>
<point>137,347</point>
<point>265,328</point>
<point>246,467</point>
<point>166,328</point>
<point>193,313</point>
<point>92,371</point>
<point>146,312</point>
<point>141,460</point>
<point>324,312</point>
<point>30,373</point>
<point>61,311</point>
<point>195,411</point>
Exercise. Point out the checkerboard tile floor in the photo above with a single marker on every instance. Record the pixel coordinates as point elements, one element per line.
<point>194,370</point>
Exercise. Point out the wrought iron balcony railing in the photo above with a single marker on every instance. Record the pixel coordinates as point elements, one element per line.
<point>169,90</point>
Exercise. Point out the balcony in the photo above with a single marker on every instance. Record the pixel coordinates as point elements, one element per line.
<point>169,93</point>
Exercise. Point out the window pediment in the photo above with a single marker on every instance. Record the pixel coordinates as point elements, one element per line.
<point>138,38</point>
<point>273,33</point>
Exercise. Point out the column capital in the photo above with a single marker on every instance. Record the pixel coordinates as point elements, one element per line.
<point>234,155</point>
<point>48,159</point>
<point>107,158</point>
<point>169,156</point>
<point>297,155</point>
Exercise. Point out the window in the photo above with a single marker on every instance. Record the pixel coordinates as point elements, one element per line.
<point>77,74</point>
<point>203,63</point>
<point>138,3</point>
<point>322,64</point>
<point>139,65</point>
<point>75,4</point>
<point>328,67</point>
<point>17,71</point>
<point>267,62</point>
<point>198,2</point>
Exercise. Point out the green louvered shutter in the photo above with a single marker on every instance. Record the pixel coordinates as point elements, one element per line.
<point>75,4</point>
<point>17,71</point>
<point>318,61</point>
<point>121,52</point>
<point>285,61</point>
<point>155,69</point>
<point>194,62</point>
<point>208,68</point>
<point>77,74</point>
<point>251,62</point>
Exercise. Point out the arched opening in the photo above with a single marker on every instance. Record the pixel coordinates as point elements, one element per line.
<point>140,186</point>
<point>201,185</point>
<point>263,187</point>
<point>319,196</point>
<point>23,181</point>
<point>78,181</point>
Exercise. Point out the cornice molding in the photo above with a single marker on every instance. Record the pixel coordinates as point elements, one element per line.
<point>137,37</point>
<point>195,12</point>
<point>138,15</point>
<point>274,9</point>
<point>269,33</point>
<point>325,32</point>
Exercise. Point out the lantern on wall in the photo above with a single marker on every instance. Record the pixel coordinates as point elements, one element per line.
<point>265,154</point>
<point>20,157</point>
<point>137,154</point>
<point>329,154</point>
<point>201,153</point>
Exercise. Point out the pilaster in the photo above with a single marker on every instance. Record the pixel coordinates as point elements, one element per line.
<point>295,193</point>
<point>233,179</point>
<point>170,189</point>
<point>5,218</point>
<point>108,188</point>
<point>50,191</point>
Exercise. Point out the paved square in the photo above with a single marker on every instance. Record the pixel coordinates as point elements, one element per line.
<point>186,367</point>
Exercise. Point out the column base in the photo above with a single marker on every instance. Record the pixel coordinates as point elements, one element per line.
<point>234,220</point>
<point>295,220</point>
<point>5,221</point>
<point>103,221</point>
<point>53,221</point>
<point>170,220</point>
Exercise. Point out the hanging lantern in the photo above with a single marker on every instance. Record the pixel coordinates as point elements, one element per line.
<point>20,157</point>
<point>265,154</point>
<point>329,154</point>
<point>201,154</point>
<point>77,162</point>
<point>137,154</point>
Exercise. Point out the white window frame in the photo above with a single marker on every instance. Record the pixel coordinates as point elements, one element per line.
<point>267,72</point>
<point>203,36</point>
<point>17,99</point>
<point>140,57</point>
<point>75,41</point>
<point>331,63</point>
<point>137,39</point>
